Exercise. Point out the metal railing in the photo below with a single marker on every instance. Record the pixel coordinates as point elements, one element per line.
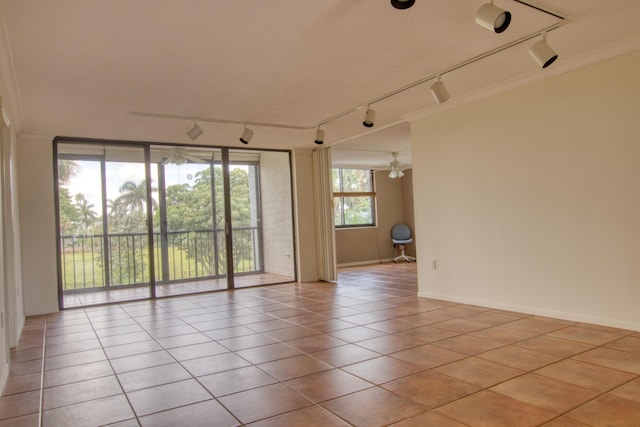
<point>178,256</point>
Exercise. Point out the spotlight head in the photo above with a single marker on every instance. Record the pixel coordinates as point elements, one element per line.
<point>402,4</point>
<point>195,131</point>
<point>369,118</point>
<point>542,53</point>
<point>440,92</point>
<point>319,136</point>
<point>493,18</point>
<point>246,136</point>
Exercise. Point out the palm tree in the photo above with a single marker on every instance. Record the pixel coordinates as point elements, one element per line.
<point>133,196</point>
<point>85,211</point>
<point>67,169</point>
<point>128,211</point>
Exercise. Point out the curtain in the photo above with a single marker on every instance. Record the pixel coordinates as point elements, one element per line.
<point>323,198</point>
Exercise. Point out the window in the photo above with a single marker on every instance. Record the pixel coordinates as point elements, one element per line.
<point>354,198</point>
<point>137,220</point>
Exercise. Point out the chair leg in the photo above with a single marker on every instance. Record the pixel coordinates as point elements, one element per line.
<point>402,255</point>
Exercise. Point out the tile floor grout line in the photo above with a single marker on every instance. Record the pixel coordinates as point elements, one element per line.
<point>525,372</point>
<point>181,365</point>
<point>488,388</point>
<point>283,382</point>
<point>126,396</point>
<point>298,296</point>
<point>44,354</point>
<point>597,396</point>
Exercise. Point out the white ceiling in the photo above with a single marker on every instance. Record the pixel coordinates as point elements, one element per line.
<point>82,65</point>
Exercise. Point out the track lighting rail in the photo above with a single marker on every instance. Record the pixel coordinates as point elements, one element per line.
<point>222,121</point>
<point>440,93</point>
<point>541,9</point>
<point>434,76</point>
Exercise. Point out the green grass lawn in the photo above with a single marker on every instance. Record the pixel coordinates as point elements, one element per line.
<point>83,270</point>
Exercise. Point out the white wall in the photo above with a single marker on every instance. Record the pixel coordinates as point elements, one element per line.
<point>11,293</point>
<point>11,304</point>
<point>277,219</point>
<point>530,200</point>
<point>11,217</point>
<point>37,225</point>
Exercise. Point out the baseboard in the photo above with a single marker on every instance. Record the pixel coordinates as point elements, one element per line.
<point>369,262</point>
<point>19,328</point>
<point>4,375</point>
<point>573,317</point>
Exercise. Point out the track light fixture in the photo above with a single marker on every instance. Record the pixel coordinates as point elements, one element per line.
<point>195,131</point>
<point>246,136</point>
<point>493,18</point>
<point>319,136</point>
<point>440,92</point>
<point>542,53</point>
<point>402,4</point>
<point>369,118</point>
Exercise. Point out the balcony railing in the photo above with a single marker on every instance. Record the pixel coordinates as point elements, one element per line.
<point>178,256</point>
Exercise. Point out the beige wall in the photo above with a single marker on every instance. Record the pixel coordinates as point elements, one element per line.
<point>37,221</point>
<point>530,200</point>
<point>306,262</point>
<point>408,215</point>
<point>373,244</point>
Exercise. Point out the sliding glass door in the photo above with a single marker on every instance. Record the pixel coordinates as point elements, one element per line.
<point>103,227</point>
<point>261,214</point>
<point>141,221</point>
<point>188,220</point>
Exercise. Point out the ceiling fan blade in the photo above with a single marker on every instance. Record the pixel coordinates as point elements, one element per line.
<point>194,159</point>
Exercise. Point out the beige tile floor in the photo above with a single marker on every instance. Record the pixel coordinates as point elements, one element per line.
<point>363,352</point>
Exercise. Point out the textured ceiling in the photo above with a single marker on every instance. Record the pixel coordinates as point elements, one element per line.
<point>82,65</point>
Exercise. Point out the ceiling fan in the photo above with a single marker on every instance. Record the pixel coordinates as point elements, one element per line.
<point>179,156</point>
<point>395,167</point>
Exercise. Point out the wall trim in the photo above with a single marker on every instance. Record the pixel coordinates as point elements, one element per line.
<point>369,262</point>
<point>4,376</point>
<point>574,317</point>
<point>20,328</point>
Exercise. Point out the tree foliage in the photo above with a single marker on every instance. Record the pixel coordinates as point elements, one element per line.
<point>353,209</point>
<point>194,221</point>
<point>190,208</point>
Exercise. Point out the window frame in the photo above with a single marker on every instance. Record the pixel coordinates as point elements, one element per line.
<point>339,196</point>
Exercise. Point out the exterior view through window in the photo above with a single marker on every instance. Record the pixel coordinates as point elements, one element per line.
<point>139,221</point>
<point>354,198</point>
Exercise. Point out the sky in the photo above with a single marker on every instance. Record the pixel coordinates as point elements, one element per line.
<point>87,181</point>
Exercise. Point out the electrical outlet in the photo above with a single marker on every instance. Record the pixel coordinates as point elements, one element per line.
<point>434,264</point>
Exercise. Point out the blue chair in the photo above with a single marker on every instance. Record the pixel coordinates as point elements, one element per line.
<point>400,236</point>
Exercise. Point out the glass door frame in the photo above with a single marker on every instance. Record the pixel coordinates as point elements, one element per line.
<point>150,231</point>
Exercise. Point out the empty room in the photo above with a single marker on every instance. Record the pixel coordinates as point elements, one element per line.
<point>322,213</point>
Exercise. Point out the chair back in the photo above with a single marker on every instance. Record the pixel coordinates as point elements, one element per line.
<point>400,232</point>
